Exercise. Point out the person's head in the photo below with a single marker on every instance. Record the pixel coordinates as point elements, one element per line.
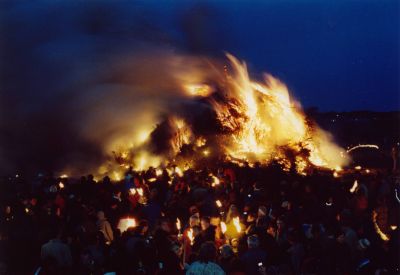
<point>165,225</point>
<point>252,241</point>
<point>153,193</point>
<point>271,229</point>
<point>205,223</point>
<point>143,227</point>
<point>194,220</point>
<point>208,252</point>
<point>233,210</point>
<point>262,211</point>
<point>101,215</point>
<point>196,230</point>
<point>215,221</point>
<point>235,243</point>
<point>177,249</point>
<point>280,223</point>
<point>226,251</point>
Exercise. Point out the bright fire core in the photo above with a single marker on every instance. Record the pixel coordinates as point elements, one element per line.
<point>251,121</point>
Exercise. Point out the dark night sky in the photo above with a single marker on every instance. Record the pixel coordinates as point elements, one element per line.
<point>336,55</point>
<point>59,57</point>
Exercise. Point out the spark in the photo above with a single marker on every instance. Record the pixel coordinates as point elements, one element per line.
<point>381,234</point>
<point>218,203</point>
<point>61,185</point>
<point>64,176</point>
<point>363,146</point>
<point>178,224</point>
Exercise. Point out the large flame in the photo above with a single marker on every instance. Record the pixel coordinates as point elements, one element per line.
<point>252,121</point>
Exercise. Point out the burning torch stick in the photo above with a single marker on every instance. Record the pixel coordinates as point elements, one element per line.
<point>354,187</point>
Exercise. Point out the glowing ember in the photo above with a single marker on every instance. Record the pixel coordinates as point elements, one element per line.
<point>363,146</point>
<point>218,203</point>
<point>354,187</point>
<point>64,176</point>
<point>393,227</point>
<point>236,223</point>
<point>178,224</point>
<point>151,179</point>
<point>335,174</point>
<point>126,223</point>
<point>358,167</point>
<point>223,227</point>
<point>132,191</point>
<point>61,185</point>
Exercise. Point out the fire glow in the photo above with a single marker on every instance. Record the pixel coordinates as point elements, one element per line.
<point>126,223</point>
<point>251,122</point>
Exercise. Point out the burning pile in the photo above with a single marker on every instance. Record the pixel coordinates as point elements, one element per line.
<point>233,117</point>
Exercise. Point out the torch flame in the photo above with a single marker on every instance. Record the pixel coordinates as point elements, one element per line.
<point>178,224</point>
<point>190,236</point>
<point>354,187</point>
<point>140,191</point>
<point>215,181</point>
<point>236,223</point>
<point>126,223</point>
<point>223,227</point>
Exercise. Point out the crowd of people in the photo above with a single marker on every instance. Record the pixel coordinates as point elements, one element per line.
<point>223,219</point>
